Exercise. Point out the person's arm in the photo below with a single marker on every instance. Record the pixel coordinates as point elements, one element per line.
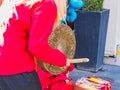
<point>43,16</point>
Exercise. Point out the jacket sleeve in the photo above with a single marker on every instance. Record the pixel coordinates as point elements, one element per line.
<point>43,16</point>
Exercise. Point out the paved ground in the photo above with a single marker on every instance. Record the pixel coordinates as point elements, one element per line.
<point>109,72</point>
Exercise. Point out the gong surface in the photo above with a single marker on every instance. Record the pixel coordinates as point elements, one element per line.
<point>63,39</point>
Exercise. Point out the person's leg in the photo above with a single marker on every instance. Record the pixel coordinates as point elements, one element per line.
<point>24,81</point>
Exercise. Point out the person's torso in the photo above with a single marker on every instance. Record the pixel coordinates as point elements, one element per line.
<point>14,55</point>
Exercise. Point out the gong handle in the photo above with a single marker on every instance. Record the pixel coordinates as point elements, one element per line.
<point>78,60</point>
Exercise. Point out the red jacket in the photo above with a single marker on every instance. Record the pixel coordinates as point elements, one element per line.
<point>27,37</point>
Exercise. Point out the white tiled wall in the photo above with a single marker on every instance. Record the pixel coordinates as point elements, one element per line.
<point>113,34</point>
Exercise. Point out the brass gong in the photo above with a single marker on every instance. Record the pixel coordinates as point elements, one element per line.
<point>63,39</point>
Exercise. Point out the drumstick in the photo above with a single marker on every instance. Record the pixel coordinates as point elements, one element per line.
<point>78,60</point>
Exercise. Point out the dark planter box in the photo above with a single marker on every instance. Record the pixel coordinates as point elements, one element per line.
<point>90,30</point>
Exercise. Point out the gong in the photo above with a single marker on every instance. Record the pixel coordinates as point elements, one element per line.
<point>63,39</point>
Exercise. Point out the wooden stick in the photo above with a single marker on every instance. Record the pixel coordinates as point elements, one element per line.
<point>78,60</point>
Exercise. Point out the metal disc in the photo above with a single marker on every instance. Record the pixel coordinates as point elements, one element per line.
<point>63,39</point>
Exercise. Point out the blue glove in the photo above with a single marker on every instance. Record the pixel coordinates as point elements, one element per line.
<point>76,3</point>
<point>73,5</point>
<point>71,15</point>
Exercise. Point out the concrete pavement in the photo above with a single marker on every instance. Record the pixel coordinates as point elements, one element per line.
<point>109,72</point>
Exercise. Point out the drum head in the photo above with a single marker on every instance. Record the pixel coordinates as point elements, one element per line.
<point>63,39</point>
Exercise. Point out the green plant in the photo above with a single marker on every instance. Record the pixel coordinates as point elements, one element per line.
<point>93,5</point>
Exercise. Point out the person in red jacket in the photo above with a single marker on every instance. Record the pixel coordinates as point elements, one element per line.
<point>25,26</point>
